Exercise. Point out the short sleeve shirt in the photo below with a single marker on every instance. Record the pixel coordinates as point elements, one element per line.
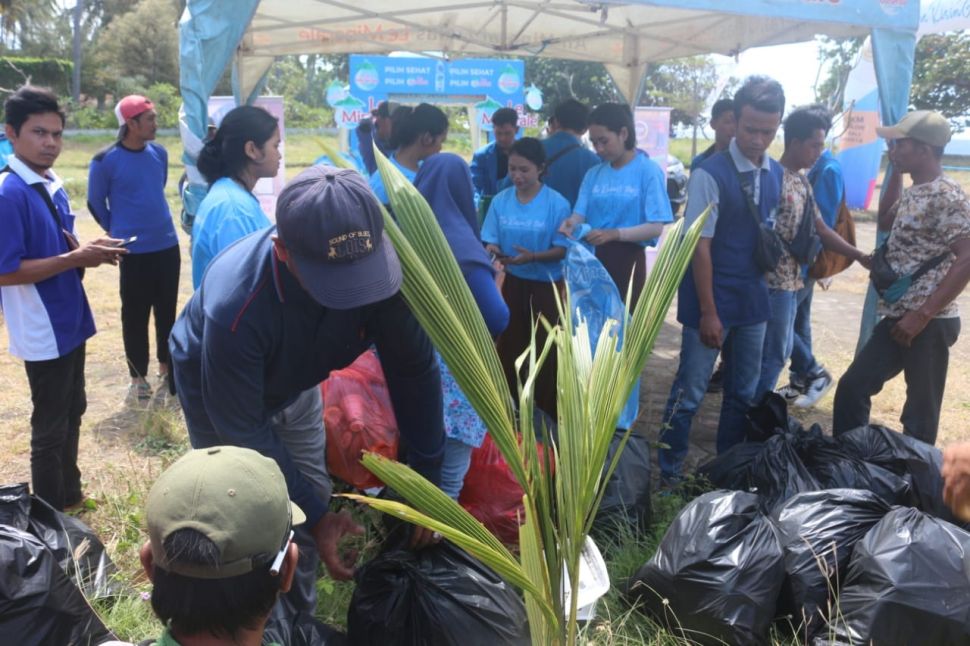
<point>616,198</point>
<point>534,226</point>
<point>377,182</point>
<point>928,218</point>
<point>795,193</point>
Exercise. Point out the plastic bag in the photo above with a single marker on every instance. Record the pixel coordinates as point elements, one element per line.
<point>627,495</point>
<point>75,546</point>
<point>907,584</point>
<point>778,473</point>
<point>904,456</point>
<point>491,493</point>
<point>729,470</point>
<point>291,627</point>
<point>39,604</point>
<point>817,531</point>
<point>595,296</point>
<point>717,573</point>
<point>358,416</point>
<point>437,596</point>
<point>768,418</point>
<point>834,468</point>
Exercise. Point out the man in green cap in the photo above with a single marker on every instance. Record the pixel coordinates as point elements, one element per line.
<point>220,548</point>
<point>919,271</point>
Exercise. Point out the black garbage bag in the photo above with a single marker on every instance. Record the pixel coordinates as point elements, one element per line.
<point>76,547</point>
<point>905,456</point>
<point>39,604</point>
<point>777,473</point>
<point>436,596</point>
<point>716,575</point>
<point>627,495</point>
<point>834,468</point>
<point>729,470</point>
<point>907,584</point>
<point>769,417</point>
<point>291,627</point>
<point>818,530</point>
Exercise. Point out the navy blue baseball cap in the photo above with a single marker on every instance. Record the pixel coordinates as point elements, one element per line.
<point>331,225</point>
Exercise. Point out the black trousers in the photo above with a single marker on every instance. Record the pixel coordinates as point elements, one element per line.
<point>149,285</point>
<point>924,366</point>
<point>57,392</point>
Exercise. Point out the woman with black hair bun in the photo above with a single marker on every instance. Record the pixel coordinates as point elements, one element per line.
<point>416,134</point>
<point>244,149</point>
<point>623,199</point>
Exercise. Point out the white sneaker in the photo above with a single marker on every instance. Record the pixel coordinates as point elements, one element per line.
<point>792,391</point>
<point>816,390</point>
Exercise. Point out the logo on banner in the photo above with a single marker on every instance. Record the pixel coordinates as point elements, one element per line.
<point>892,7</point>
<point>367,78</point>
<point>509,81</point>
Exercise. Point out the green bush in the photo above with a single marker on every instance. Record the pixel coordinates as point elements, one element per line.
<point>91,118</point>
<point>164,95</point>
<point>300,115</point>
<point>54,73</point>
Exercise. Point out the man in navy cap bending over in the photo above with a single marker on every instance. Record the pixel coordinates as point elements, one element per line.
<point>276,312</point>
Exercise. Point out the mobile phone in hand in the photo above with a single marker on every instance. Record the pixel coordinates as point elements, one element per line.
<point>127,241</point>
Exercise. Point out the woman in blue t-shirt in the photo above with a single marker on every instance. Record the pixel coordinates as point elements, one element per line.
<point>623,200</point>
<point>446,183</point>
<point>244,149</point>
<point>416,134</point>
<point>521,230</point>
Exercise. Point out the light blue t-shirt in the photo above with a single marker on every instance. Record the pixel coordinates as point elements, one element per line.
<point>534,226</point>
<point>227,213</point>
<point>611,198</point>
<point>377,184</point>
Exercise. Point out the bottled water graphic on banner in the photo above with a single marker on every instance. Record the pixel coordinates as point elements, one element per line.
<point>366,77</point>
<point>486,109</point>
<point>439,77</point>
<point>509,81</point>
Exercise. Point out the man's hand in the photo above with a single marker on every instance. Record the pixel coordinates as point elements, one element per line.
<point>909,327</point>
<point>327,534</point>
<point>97,252</point>
<point>711,330</point>
<point>956,479</point>
<point>568,225</point>
<point>422,537</point>
<point>596,237</point>
<point>865,260</point>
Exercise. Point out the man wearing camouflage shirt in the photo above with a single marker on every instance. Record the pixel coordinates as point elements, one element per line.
<point>929,221</point>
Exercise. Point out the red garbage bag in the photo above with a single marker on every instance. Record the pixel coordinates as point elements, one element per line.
<point>491,493</point>
<point>358,417</point>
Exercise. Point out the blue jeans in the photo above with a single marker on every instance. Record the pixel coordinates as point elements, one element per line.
<point>741,353</point>
<point>458,456</point>
<point>778,339</point>
<point>803,364</point>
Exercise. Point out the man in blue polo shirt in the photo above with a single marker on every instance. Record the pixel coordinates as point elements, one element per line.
<point>275,314</point>
<point>723,298</point>
<point>567,159</point>
<point>126,195</point>
<point>490,163</point>
<point>44,306</point>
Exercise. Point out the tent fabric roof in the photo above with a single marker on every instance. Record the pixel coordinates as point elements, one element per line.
<point>625,36</point>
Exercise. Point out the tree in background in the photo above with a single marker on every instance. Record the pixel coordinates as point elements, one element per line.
<point>941,76</point>
<point>838,56</point>
<point>561,79</point>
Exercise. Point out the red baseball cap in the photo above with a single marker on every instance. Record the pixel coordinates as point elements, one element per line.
<point>131,106</point>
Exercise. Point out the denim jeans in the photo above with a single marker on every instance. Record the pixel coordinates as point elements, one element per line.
<point>741,352</point>
<point>778,339</point>
<point>458,456</point>
<point>803,363</point>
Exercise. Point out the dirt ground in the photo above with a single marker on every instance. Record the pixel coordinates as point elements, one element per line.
<point>123,450</point>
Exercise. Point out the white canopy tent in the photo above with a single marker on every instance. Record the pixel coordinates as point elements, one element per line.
<point>624,36</point>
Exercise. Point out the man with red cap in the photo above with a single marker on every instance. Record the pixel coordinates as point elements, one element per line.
<point>126,195</point>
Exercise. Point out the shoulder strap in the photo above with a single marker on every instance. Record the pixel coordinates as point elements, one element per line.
<point>562,153</point>
<point>40,190</point>
<point>747,189</point>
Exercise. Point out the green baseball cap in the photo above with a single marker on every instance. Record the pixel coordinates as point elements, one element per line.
<point>235,497</point>
<point>922,125</point>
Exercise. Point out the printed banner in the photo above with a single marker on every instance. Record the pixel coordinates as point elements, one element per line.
<point>653,133</point>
